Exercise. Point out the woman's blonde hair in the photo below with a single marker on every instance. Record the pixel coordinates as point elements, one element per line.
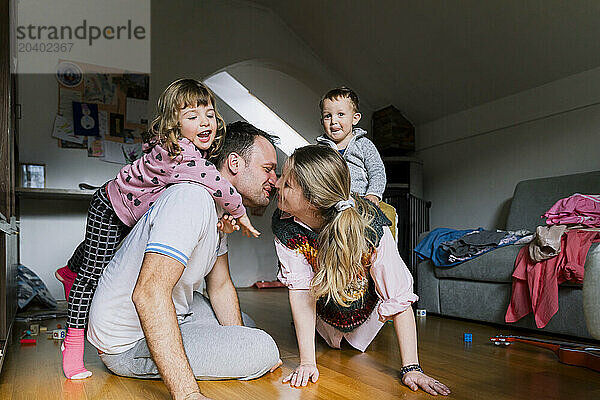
<point>324,178</point>
<point>165,128</point>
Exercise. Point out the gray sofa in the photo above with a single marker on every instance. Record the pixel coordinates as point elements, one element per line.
<point>480,289</point>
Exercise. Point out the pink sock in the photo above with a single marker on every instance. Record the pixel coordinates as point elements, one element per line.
<point>72,354</point>
<point>66,277</point>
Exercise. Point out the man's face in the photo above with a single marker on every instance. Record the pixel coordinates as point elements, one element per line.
<point>257,178</point>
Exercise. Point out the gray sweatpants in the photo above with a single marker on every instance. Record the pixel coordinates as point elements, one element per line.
<point>214,351</point>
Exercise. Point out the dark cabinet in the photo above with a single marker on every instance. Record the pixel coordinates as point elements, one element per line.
<point>8,212</point>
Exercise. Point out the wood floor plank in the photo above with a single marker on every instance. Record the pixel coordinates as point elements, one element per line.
<point>478,370</point>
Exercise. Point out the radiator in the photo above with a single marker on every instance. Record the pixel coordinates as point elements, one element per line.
<point>413,219</point>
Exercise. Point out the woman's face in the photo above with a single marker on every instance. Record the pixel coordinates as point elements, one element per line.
<point>291,199</point>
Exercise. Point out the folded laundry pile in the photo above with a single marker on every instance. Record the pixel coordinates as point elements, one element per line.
<point>576,209</point>
<point>478,242</point>
<point>447,247</point>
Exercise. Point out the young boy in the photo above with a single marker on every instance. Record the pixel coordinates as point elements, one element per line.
<point>339,114</point>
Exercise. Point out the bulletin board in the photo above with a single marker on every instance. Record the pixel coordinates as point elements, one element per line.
<point>103,113</point>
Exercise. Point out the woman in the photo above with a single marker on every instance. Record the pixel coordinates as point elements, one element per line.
<point>341,265</point>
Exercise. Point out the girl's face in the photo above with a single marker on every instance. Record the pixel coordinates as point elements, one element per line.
<point>291,199</point>
<point>199,125</point>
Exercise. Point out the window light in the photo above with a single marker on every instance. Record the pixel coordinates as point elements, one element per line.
<point>254,111</point>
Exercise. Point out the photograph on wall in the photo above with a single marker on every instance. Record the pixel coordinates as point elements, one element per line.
<point>99,88</point>
<point>136,86</point>
<point>33,175</point>
<point>85,119</point>
<point>117,125</point>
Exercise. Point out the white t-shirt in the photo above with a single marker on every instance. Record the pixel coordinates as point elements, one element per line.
<point>181,224</point>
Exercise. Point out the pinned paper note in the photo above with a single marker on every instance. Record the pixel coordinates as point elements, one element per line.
<point>121,153</point>
<point>66,97</point>
<point>63,129</point>
<point>95,147</point>
<point>103,123</point>
<point>137,111</point>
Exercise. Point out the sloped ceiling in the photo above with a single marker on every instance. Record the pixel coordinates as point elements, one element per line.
<point>431,58</point>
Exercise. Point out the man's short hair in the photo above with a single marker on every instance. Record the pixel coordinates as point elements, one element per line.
<point>344,92</point>
<point>239,138</point>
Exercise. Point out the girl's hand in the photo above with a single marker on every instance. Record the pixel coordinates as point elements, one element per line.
<point>302,374</point>
<point>227,224</point>
<point>247,227</point>
<point>416,380</point>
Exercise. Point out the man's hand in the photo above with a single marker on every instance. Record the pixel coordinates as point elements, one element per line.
<point>222,293</point>
<point>152,297</point>
<point>274,367</point>
<point>195,396</point>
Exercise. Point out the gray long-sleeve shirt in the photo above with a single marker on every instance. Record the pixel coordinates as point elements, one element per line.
<point>367,172</point>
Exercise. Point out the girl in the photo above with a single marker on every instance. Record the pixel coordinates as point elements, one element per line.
<point>186,131</point>
<point>341,266</point>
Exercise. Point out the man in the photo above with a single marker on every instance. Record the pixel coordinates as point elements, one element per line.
<point>145,319</point>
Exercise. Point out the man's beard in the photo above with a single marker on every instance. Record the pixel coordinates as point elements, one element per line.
<point>258,198</point>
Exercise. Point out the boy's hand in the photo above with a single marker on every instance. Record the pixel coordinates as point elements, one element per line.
<point>247,228</point>
<point>373,199</point>
<point>227,224</point>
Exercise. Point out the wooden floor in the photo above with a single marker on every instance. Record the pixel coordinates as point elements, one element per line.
<point>476,371</point>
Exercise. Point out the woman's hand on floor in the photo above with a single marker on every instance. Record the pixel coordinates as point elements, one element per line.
<point>416,380</point>
<point>302,374</point>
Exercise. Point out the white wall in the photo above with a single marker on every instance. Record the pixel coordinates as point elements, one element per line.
<point>50,230</point>
<point>474,159</point>
<point>251,260</point>
<point>189,39</point>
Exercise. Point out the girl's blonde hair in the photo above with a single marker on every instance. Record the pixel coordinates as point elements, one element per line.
<point>165,128</point>
<point>324,178</point>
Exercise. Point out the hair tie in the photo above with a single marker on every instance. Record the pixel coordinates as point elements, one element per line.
<point>344,204</point>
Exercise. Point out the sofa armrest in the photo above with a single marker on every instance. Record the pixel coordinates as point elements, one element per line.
<point>591,291</point>
<point>428,287</point>
<point>422,236</point>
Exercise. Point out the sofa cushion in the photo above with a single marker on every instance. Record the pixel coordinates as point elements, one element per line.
<point>498,266</point>
<point>494,266</point>
<point>488,301</point>
<point>534,197</point>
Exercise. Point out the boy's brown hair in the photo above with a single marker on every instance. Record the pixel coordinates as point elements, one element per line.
<point>344,92</point>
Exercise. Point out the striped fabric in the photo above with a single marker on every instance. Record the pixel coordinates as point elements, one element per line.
<point>167,251</point>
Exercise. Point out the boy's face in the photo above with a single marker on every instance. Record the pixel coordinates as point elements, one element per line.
<point>338,118</point>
